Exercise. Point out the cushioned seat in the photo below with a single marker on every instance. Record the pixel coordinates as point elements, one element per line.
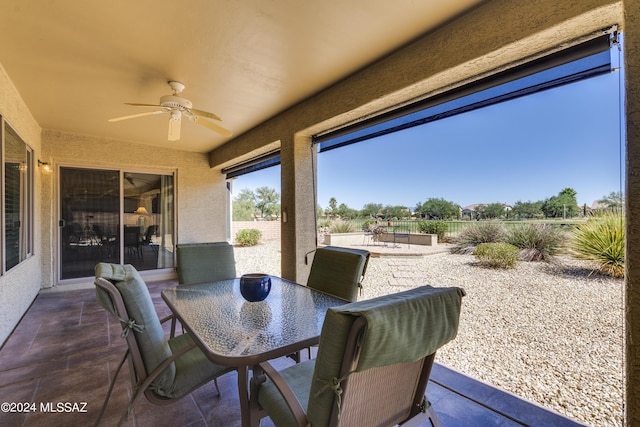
<point>163,369</point>
<point>338,271</point>
<point>372,367</point>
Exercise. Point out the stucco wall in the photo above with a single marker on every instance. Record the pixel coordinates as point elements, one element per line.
<point>200,192</point>
<point>632,256</point>
<point>20,286</point>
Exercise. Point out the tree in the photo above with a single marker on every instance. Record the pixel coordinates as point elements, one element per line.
<point>528,209</point>
<point>438,209</point>
<point>244,205</point>
<point>333,207</point>
<point>267,201</point>
<point>346,212</point>
<point>493,210</point>
<point>371,209</point>
<point>564,205</point>
<point>398,212</point>
<point>615,200</point>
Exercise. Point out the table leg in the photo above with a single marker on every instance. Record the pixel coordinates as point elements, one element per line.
<point>243,393</point>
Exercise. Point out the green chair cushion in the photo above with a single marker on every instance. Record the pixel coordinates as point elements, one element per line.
<point>152,341</point>
<point>407,326</point>
<point>298,378</point>
<point>205,262</point>
<point>192,368</point>
<point>400,327</point>
<point>337,272</point>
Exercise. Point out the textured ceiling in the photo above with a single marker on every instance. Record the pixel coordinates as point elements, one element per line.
<point>76,62</point>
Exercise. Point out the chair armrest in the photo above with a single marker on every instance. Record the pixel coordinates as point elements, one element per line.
<point>289,396</point>
<point>171,317</point>
<point>167,318</point>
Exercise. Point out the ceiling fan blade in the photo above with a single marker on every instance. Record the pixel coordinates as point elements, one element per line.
<point>117,119</point>
<point>214,127</point>
<point>174,127</point>
<point>135,104</point>
<point>205,114</point>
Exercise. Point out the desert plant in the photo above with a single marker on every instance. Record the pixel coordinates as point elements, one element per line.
<point>601,239</point>
<point>537,242</point>
<point>341,227</point>
<point>325,223</point>
<point>248,237</point>
<point>477,233</point>
<point>497,255</point>
<point>433,227</point>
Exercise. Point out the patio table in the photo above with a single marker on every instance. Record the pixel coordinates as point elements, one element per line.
<point>234,332</point>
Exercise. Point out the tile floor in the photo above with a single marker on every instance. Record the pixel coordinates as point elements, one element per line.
<point>66,348</point>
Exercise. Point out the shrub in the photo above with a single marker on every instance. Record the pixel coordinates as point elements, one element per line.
<point>341,227</point>
<point>433,227</point>
<point>601,239</point>
<point>369,225</point>
<point>497,255</point>
<point>324,224</point>
<point>478,233</point>
<point>536,242</point>
<point>248,237</point>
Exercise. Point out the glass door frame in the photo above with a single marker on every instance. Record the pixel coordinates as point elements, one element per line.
<point>156,274</point>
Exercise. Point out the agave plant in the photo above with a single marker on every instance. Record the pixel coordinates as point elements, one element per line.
<point>601,239</point>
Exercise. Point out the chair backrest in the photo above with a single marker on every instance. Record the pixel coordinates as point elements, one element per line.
<point>338,271</point>
<point>121,291</point>
<point>379,353</point>
<point>205,262</point>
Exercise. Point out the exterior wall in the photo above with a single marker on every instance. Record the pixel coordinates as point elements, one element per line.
<point>19,287</point>
<point>200,192</point>
<point>632,257</point>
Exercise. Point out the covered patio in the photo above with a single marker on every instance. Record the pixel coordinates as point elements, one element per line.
<point>66,68</point>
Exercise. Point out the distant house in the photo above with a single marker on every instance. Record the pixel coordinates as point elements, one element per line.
<point>475,211</point>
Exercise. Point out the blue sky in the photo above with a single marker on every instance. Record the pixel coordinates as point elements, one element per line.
<point>526,149</point>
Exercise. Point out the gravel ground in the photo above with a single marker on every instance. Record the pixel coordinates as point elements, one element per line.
<point>548,332</point>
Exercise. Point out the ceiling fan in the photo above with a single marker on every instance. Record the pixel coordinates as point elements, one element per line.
<point>178,107</point>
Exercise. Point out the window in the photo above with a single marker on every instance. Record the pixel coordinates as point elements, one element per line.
<point>18,199</point>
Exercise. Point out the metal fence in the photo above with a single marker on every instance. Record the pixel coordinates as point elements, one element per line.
<point>453,227</point>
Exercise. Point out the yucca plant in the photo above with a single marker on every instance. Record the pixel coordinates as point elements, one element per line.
<point>601,239</point>
<point>537,242</point>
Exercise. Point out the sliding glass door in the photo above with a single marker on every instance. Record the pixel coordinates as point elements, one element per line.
<point>114,216</point>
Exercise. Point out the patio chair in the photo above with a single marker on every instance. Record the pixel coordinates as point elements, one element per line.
<point>372,368</point>
<point>162,369</point>
<point>339,271</point>
<point>397,235</point>
<point>205,262</point>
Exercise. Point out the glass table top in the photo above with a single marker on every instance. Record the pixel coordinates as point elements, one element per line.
<point>234,331</point>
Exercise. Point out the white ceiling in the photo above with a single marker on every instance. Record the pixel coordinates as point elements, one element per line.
<point>76,62</point>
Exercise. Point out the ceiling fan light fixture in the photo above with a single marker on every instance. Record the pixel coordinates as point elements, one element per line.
<point>172,101</point>
<point>178,106</point>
